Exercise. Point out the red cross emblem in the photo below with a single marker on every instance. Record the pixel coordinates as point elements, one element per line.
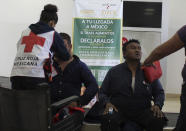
<point>32,40</point>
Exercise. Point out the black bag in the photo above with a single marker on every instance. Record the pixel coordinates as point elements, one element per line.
<point>111,122</point>
<point>95,113</point>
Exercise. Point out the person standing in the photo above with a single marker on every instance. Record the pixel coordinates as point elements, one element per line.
<point>175,43</point>
<point>36,45</point>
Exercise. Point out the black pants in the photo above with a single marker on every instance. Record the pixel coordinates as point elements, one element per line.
<point>181,122</point>
<point>25,83</point>
<point>111,122</point>
<point>145,120</point>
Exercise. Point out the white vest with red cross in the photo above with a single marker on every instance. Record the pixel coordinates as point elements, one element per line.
<point>32,50</point>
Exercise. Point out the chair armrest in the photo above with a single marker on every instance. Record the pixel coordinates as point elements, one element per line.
<point>64,102</point>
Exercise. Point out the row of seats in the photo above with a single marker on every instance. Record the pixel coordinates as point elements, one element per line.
<point>31,111</point>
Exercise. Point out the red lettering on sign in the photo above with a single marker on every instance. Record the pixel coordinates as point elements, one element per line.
<point>32,40</point>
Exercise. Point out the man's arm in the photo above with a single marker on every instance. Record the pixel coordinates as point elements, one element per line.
<point>90,84</point>
<point>159,97</point>
<point>105,94</point>
<point>165,49</point>
<point>158,93</point>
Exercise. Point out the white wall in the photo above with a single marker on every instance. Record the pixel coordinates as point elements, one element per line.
<point>152,37</point>
<point>19,14</point>
<point>175,62</point>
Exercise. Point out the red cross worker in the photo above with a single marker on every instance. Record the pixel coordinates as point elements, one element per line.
<point>38,43</point>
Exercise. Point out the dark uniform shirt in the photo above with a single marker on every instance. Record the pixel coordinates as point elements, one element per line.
<point>70,81</point>
<point>117,89</point>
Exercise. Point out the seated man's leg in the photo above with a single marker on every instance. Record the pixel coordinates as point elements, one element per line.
<point>131,126</point>
<point>151,122</point>
<point>111,122</point>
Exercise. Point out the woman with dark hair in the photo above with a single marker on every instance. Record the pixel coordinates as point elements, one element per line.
<point>178,41</point>
<point>37,43</point>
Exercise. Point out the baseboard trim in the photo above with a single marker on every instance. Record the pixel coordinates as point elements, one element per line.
<point>168,95</point>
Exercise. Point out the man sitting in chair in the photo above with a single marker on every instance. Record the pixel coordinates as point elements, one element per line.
<point>126,92</point>
<point>72,75</point>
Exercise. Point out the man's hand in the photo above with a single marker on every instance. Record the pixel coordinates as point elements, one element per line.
<point>157,112</point>
<point>107,108</point>
<point>143,65</point>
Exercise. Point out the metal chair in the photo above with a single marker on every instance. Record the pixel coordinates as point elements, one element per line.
<point>30,110</point>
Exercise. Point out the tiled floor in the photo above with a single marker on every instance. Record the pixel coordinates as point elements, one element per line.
<point>172,105</point>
